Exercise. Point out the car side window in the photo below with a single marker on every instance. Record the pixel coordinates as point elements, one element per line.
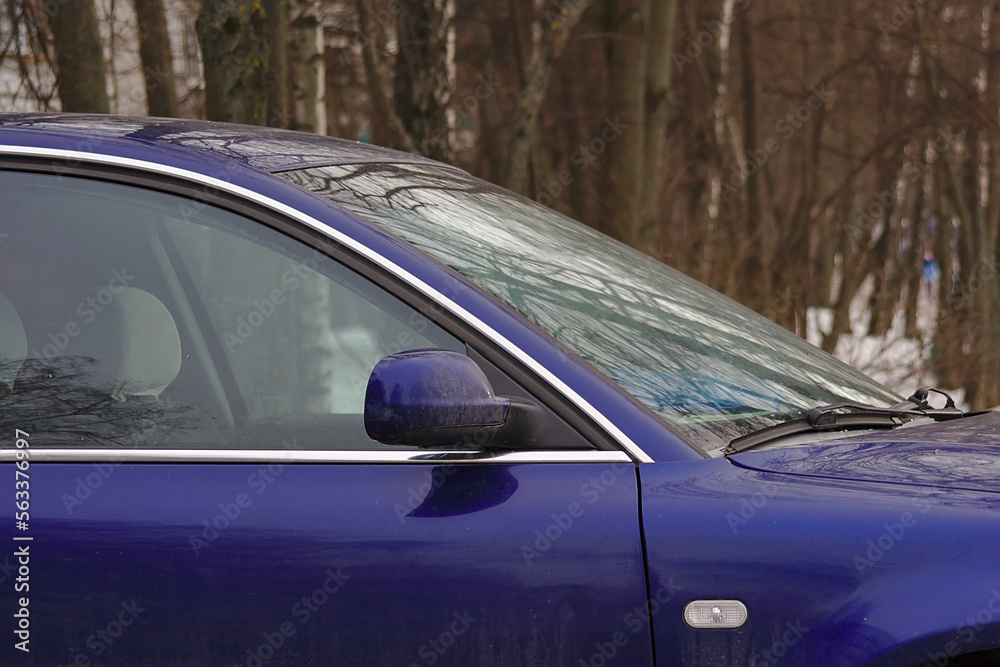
<point>300,332</point>
<point>134,318</point>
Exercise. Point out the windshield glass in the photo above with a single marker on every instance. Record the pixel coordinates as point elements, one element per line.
<point>711,368</point>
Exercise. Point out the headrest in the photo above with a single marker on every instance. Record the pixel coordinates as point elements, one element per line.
<point>134,345</point>
<point>13,345</point>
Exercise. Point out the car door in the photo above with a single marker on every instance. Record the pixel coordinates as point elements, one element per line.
<point>190,482</point>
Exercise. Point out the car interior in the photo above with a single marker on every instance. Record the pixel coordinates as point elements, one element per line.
<point>135,318</point>
<point>123,323</point>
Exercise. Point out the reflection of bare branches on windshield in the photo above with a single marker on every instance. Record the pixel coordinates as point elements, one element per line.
<point>383,195</point>
<point>379,189</point>
<point>407,189</point>
<point>59,403</point>
<point>324,181</point>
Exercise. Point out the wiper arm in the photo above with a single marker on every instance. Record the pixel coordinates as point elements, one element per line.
<point>845,416</point>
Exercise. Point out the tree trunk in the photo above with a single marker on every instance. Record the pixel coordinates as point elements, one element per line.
<point>622,134</point>
<point>758,288</point>
<point>157,61</point>
<point>425,74</point>
<point>386,116</point>
<point>235,53</point>
<point>79,57</point>
<point>659,79</point>
<point>278,39</point>
<point>491,51</point>
<point>556,30</point>
<point>307,64</point>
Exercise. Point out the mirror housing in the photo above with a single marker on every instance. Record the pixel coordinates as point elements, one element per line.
<point>431,398</point>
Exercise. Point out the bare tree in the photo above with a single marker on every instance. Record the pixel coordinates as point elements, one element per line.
<point>398,134</point>
<point>307,64</point>
<point>79,56</point>
<point>425,74</point>
<point>277,66</point>
<point>658,95</point>
<point>157,59</point>
<point>628,22</point>
<point>234,46</point>
<point>556,30</point>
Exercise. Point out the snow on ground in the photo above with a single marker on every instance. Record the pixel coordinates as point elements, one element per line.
<point>894,360</point>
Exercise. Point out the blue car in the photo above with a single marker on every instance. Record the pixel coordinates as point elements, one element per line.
<point>277,399</point>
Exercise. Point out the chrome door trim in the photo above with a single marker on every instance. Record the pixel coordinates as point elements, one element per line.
<point>39,455</point>
<point>362,250</point>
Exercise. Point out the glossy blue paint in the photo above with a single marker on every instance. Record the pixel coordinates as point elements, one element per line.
<point>957,454</point>
<point>425,397</point>
<point>399,565</point>
<point>833,572</point>
<point>100,136</point>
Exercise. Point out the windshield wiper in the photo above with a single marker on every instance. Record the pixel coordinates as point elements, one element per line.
<point>845,416</point>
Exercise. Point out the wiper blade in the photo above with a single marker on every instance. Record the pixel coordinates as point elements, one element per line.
<point>845,416</point>
<point>824,418</point>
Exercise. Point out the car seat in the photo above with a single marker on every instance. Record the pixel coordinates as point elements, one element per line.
<point>133,345</point>
<point>105,388</point>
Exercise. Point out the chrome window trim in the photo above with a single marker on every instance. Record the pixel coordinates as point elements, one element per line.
<point>362,250</point>
<point>38,455</point>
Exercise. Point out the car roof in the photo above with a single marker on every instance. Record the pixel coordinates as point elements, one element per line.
<point>263,148</point>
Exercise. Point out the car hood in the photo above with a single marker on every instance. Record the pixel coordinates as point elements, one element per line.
<point>959,454</point>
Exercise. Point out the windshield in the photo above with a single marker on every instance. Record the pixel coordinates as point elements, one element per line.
<point>711,368</point>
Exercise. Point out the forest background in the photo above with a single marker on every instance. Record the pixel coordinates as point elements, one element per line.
<point>833,165</point>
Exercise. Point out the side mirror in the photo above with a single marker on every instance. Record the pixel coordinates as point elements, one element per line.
<point>432,398</point>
